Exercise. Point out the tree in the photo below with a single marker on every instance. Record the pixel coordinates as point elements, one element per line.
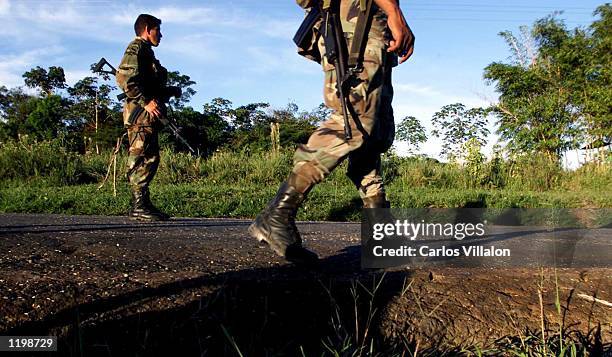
<point>458,125</point>
<point>4,105</point>
<point>184,82</point>
<point>216,129</point>
<point>411,131</point>
<point>15,107</point>
<point>4,102</point>
<point>45,81</point>
<point>562,97</point>
<point>594,86</point>
<point>92,111</point>
<point>247,116</point>
<point>295,126</point>
<point>286,114</point>
<point>46,119</point>
<point>316,115</point>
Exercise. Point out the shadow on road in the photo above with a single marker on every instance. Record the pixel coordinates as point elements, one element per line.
<point>263,311</point>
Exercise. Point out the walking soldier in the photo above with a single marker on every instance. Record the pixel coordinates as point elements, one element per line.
<point>358,89</point>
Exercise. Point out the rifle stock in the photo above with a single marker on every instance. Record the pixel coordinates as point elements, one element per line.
<point>99,68</point>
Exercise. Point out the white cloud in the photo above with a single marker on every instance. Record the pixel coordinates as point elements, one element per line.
<point>200,47</point>
<point>5,7</point>
<point>63,16</point>
<point>265,60</point>
<point>278,28</point>
<point>41,22</point>
<point>13,66</point>
<point>72,76</point>
<point>190,16</point>
<point>57,14</point>
<point>187,16</point>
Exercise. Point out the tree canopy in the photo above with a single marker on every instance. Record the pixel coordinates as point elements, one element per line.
<point>555,94</point>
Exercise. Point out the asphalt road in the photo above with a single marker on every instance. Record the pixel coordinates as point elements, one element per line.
<point>101,269</point>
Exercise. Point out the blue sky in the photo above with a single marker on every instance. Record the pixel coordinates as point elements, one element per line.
<point>242,49</point>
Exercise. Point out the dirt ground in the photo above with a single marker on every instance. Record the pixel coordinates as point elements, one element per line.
<point>108,286</point>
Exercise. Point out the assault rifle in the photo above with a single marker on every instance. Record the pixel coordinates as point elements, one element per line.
<point>346,64</point>
<point>335,52</point>
<point>99,68</point>
<point>168,123</point>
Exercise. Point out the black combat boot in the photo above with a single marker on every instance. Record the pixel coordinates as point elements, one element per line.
<point>376,211</point>
<point>142,208</point>
<point>378,201</point>
<point>275,225</point>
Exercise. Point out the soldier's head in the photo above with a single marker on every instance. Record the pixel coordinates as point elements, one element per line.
<point>148,28</point>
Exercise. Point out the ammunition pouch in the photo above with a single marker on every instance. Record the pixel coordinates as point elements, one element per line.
<point>134,114</point>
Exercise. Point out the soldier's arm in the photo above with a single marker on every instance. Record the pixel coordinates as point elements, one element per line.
<point>403,38</point>
<point>167,91</point>
<point>129,76</point>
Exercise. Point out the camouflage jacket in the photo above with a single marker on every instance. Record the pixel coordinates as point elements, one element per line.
<point>349,13</point>
<point>140,75</point>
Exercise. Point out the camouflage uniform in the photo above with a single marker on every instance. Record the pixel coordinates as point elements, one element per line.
<point>373,131</point>
<point>371,98</point>
<point>142,78</point>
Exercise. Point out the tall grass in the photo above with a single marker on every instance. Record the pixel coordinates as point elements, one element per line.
<point>48,160</point>
<point>238,184</point>
<point>533,173</point>
<point>24,160</point>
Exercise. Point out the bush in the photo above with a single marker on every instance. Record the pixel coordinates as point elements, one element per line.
<point>47,160</point>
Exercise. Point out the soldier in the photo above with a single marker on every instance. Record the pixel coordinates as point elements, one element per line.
<point>143,79</point>
<point>373,129</point>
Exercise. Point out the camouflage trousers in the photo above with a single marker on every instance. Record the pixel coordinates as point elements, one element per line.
<point>373,130</point>
<point>143,152</point>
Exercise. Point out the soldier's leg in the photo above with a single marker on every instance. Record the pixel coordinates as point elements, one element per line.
<point>143,157</point>
<point>326,148</point>
<point>364,167</point>
<point>364,170</point>
<point>143,162</point>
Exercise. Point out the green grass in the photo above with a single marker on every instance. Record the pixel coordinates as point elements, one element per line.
<point>45,178</point>
<point>329,201</point>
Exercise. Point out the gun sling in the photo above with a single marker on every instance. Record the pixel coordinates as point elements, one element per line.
<point>134,114</point>
<point>359,38</point>
<point>335,48</point>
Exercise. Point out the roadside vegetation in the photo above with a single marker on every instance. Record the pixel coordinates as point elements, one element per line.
<point>46,177</point>
<point>554,97</point>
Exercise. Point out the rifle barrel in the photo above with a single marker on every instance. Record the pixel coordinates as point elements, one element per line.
<point>339,60</point>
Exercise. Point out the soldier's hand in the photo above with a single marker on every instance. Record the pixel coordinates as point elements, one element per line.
<point>403,38</point>
<point>153,109</point>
